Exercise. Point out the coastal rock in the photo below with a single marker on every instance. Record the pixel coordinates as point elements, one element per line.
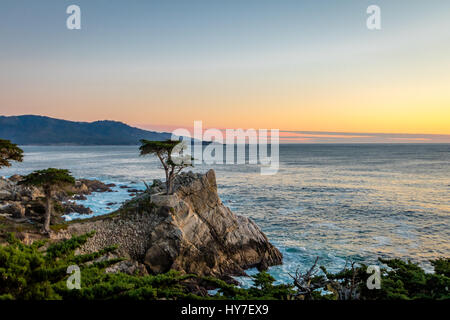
<point>15,178</point>
<point>10,190</point>
<point>16,200</point>
<point>79,197</point>
<point>71,207</point>
<point>88,186</point>
<point>190,231</point>
<point>5,195</point>
<point>16,209</point>
<point>19,201</point>
<point>7,190</point>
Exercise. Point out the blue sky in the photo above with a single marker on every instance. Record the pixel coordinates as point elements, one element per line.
<point>291,65</point>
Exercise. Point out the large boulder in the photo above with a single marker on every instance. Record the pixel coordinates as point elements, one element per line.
<point>190,231</point>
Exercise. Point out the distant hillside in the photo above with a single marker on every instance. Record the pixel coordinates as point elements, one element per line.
<point>39,130</point>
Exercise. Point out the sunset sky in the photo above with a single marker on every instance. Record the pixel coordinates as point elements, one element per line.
<point>291,65</point>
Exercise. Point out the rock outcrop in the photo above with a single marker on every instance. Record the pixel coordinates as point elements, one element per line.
<point>25,202</point>
<point>16,200</point>
<point>190,231</point>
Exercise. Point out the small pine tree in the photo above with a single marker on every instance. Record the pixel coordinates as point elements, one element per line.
<point>49,180</point>
<point>164,151</point>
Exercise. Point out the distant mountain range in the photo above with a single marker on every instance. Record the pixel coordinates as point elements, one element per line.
<point>39,130</point>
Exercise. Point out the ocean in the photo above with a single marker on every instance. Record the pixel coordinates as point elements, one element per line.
<point>335,202</point>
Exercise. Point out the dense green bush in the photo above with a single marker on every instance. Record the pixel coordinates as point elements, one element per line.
<point>400,280</point>
<point>31,272</point>
<point>406,280</point>
<point>263,289</point>
<point>39,272</point>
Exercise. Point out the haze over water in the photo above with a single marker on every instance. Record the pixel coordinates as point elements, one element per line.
<point>332,201</point>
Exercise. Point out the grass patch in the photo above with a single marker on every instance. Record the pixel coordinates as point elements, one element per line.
<point>59,227</point>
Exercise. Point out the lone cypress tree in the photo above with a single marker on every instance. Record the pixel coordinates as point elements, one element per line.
<point>172,165</point>
<point>9,152</point>
<point>49,180</point>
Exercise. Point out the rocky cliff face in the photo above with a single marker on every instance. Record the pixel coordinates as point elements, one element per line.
<point>190,231</point>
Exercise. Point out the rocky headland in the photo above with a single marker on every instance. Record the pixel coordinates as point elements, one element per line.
<point>190,231</point>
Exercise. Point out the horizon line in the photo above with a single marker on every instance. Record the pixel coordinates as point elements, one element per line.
<point>306,136</point>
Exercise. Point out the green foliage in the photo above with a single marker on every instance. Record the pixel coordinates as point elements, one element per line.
<point>172,164</point>
<point>24,273</point>
<point>399,281</point>
<point>9,152</point>
<point>406,280</point>
<point>106,286</point>
<point>48,178</point>
<point>38,272</point>
<point>27,272</point>
<point>156,147</point>
<point>64,248</point>
<point>442,266</point>
<point>346,284</point>
<point>263,289</point>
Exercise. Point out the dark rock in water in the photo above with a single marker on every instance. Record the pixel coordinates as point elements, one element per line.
<point>80,197</point>
<point>124,187</point>
<point>190,231</point>
<point>88,186</point>
<point>109,204</point>
<point>71,207</point>
<point>133,190</point>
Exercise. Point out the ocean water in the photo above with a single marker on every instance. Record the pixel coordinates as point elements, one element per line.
<point>337,202</point>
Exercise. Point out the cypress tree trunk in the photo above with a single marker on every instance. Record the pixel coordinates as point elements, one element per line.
<point>167,183</point>
<point>48,210</point>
